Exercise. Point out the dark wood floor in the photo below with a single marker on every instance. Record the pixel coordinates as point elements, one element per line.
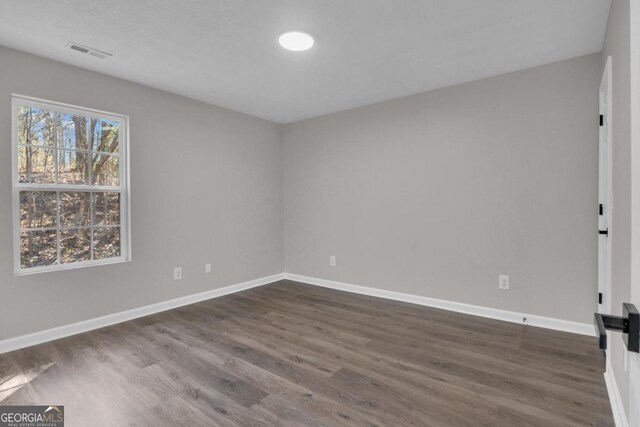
<point>293,354</point>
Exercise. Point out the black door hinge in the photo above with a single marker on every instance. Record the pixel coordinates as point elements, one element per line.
<point>604,232</point>
<point>599,297</point>
<point>600,209</point>
<point>601,120</point>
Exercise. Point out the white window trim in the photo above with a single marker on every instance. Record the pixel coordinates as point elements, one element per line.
<point>125,202</point>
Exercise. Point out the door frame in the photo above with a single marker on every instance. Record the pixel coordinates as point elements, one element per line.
<point>634,358</point>
<point>605,154</point>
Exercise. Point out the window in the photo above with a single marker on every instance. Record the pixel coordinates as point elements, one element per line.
<point>70,186</point>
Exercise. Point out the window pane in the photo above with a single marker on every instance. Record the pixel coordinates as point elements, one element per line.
<point>38,248</point>
<point>38,209</point>
<point>106,136</point>
<point>75,245</point>
<point>73,167</point>
<point>106,242</point>
<point>74,209</point>
<point>36,165</point>
<point>76,131</point>
<point>106,208</point>
<point>67,138</point>
<point>106,170</point>
<point>37,126</point>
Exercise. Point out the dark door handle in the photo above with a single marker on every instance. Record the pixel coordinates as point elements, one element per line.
<point>605,232</point>
<point>628,324</point>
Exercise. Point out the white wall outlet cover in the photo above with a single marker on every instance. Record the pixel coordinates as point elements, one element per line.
<point>207,268</point>
<point>503,282</point>
<point>177,273</point>
<point>332,261</point>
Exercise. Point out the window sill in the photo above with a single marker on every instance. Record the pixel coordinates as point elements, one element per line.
<point>70,266</point>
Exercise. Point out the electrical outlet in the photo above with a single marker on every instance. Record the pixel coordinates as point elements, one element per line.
<point>207,268</point>
<point>177,273</point>
<point>332,260</point>
<point>503,282</point>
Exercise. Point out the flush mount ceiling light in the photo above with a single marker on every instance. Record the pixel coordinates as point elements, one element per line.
<point>296,41</point>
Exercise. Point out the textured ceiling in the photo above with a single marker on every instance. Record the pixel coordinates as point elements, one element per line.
<point>225,52</point>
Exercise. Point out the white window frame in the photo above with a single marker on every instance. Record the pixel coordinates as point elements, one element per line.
<point>123,189</point>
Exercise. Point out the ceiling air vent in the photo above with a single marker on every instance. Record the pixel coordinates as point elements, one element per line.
<point>89,50</point>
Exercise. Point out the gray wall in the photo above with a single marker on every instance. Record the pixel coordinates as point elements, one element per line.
<point>433,194</point>
<point>617,45</point>
<point>436,194</point>
<point>206,186</point>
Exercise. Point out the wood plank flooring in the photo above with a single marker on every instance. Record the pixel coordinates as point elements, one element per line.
<point>289,354</point>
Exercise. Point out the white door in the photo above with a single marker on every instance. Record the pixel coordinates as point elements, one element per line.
<point>604,194</point>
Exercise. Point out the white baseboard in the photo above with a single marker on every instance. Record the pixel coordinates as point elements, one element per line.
<point>40,337</point>
<point>617,407</point>
<point>476,310</point>
<point>23,341</point>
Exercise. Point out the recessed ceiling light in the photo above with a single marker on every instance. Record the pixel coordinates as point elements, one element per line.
<point>296,41</point>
